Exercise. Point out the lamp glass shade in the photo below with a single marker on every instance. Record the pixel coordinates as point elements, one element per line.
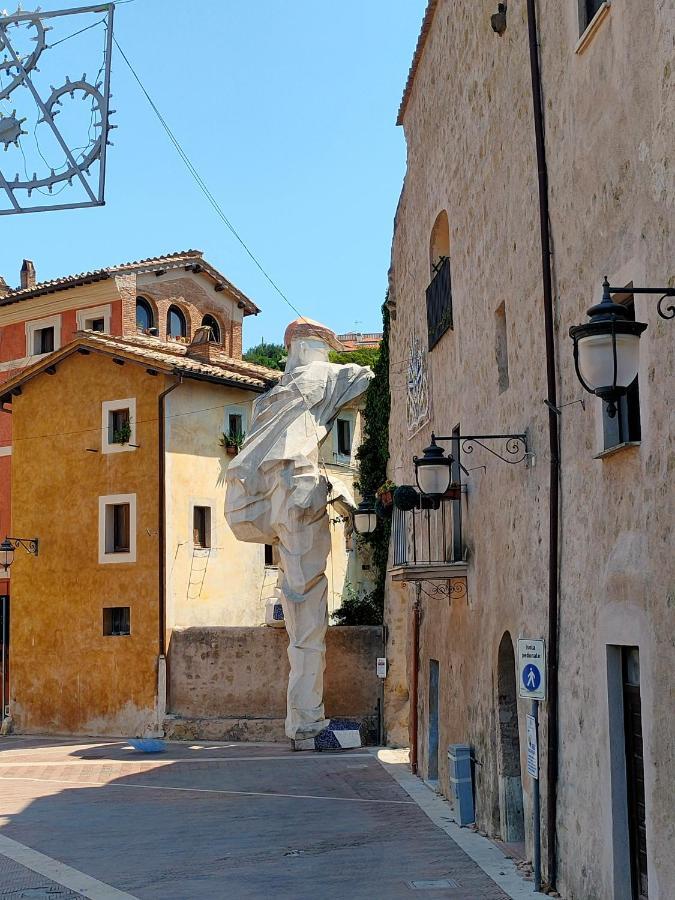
<point>365,522</point>
<point>433,478</point>
<point>6,555</point>
<point>596,359</point>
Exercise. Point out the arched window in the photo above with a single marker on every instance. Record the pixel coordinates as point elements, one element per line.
<point>439,243</point>
<point>145,318</point>
<point>175,323</point>
<point>214,326</point>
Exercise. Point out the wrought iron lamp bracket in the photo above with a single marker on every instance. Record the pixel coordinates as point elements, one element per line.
<point>30,545</point>
<point>453,589</point>
<point>666,311</point>
<point>513,445</point>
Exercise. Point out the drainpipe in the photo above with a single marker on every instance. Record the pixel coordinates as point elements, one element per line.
<point>162,693</point>
<point>414,677</point>
<point>554,466</point>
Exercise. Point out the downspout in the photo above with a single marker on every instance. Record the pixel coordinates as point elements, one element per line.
<point>554,465</point>
<point>162,690</point>
<point>414,678</point>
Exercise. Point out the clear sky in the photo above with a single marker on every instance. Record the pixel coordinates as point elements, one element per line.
<point>287,109</point>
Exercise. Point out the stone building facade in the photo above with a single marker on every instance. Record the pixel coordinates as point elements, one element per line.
<point>469,213</point>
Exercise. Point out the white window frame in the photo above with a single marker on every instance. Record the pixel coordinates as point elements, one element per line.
<point>113,500</point>
<point>342,458</point>
<point>95,312</point>
<point>210,504</point>
<point>36,325</point>
<point>236,409</point>
<point>109,406</point>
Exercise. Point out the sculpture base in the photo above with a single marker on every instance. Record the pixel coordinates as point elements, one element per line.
<point>340,734</point>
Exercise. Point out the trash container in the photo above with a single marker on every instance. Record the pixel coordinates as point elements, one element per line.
<point>460,776</point>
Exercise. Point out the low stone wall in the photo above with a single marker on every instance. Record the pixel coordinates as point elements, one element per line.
<point>230,683</point>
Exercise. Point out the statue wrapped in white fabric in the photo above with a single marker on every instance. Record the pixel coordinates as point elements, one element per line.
<point>277,494</point>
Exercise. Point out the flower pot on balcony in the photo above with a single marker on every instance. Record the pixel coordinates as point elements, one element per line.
<point>231,450</point>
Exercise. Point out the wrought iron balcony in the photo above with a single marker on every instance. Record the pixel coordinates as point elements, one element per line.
<point>427,543</point>
<point>439,303</point>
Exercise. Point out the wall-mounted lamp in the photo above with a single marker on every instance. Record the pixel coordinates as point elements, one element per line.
<point>364,517</point>
<point>606,348</point>
<point>433,470</point>
<point>10,544</point>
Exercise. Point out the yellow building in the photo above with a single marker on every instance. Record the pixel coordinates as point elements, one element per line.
<point>118,472</point>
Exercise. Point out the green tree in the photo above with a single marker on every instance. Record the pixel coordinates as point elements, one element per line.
<point>364,356</point>
<point>373,455</point>
<point>271,355</point>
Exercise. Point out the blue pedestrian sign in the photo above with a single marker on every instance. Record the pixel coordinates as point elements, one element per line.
<point>532,669</point>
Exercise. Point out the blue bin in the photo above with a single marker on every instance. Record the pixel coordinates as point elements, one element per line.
<point>460,776</point>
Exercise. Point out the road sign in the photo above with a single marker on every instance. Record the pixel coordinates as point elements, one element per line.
<point>532,749</point>
<point>532,669</point>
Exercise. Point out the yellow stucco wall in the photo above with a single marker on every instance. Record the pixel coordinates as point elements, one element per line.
<point>65,675</point>
<point>222,585</point>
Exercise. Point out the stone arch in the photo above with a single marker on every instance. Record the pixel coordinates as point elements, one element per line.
<point>439,242</point>
<point>508,745</point>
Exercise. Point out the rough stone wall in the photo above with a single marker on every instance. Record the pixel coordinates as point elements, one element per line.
<point>469,134</point>
<point>243,672</point>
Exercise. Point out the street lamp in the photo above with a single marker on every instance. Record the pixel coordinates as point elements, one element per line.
<point>9,545</point>
<point>433,470</point>
<point>606,348</point>
<point>364,517</point>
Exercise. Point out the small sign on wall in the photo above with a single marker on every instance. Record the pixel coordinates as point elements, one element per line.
<point>532,748</point>
<point>381,666</point>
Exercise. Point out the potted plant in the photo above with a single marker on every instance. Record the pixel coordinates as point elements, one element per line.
<point>122,434</point>
<point>232,442</point>
<point>385,494</point>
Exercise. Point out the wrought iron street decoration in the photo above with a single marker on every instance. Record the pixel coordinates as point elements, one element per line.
<point>54,143</point>
<point>417,386</point>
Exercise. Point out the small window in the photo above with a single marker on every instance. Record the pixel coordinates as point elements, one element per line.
<point>625,426</point>
<point>501,348</point>
<point>344,437</point>
<point>212,323</point>
<point>119,426</point>
<point>117,528</point>
<point>116,621</point>
<point>587,9</point>
<point>201,526</point>
<point>145,319</point>
<point>44,340</point>
<point>269,555</point>
<point>97,325</point>
<point>176,326</point>
<point>235,424</point>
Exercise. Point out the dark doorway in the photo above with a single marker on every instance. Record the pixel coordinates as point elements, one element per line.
<point>635,772</point>
<point>432,771</point>
<point>4,655</point>
<point>510,783</point>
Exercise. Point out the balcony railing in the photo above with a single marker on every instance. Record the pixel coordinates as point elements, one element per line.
<point>439,303</point>
<point>426,537</point>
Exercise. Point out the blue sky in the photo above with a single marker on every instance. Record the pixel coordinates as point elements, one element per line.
<point>287,109</point>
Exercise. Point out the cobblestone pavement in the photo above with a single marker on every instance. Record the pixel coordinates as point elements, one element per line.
<point>218,820</point>
<point>17,882</point>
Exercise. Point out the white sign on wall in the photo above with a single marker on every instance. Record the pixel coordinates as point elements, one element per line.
<point>532,669</point>
<point>381,666</point>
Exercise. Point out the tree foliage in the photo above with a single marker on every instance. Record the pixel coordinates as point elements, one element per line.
<point>270,355</point>
<point>373,455</point>
<point>363,356</point>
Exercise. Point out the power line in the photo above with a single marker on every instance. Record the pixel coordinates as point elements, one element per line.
<point>201,184</point>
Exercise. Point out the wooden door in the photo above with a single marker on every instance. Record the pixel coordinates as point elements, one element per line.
<point>635,774</point>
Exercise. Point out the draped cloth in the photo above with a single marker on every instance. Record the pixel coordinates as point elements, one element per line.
<point>276,494</point>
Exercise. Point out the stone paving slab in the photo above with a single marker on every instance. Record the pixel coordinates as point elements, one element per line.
<point>244,821</point>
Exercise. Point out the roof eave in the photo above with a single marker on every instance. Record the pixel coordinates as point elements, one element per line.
<point>432,6</point>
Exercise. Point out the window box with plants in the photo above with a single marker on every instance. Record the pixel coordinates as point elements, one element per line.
<point>385,496</point>
<point>232,442</point>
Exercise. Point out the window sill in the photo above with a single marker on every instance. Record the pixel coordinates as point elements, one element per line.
<point>617,448</point>
<point>592,27</point>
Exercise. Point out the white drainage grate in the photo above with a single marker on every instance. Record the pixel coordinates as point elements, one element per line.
<point>437,884</point>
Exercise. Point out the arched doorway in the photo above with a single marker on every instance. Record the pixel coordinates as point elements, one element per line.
<point>511,819</point>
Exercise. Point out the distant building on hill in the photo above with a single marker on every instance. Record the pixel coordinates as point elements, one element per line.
<point>356,340</point>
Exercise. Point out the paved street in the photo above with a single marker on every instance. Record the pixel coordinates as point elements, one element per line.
<point>218,820</point>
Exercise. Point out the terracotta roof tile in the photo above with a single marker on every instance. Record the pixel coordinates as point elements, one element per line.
<point>432,6</point>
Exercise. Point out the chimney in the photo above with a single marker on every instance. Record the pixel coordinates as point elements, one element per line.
<point>28,278</point>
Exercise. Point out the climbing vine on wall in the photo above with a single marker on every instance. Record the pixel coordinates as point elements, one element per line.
<point>373,455</point>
